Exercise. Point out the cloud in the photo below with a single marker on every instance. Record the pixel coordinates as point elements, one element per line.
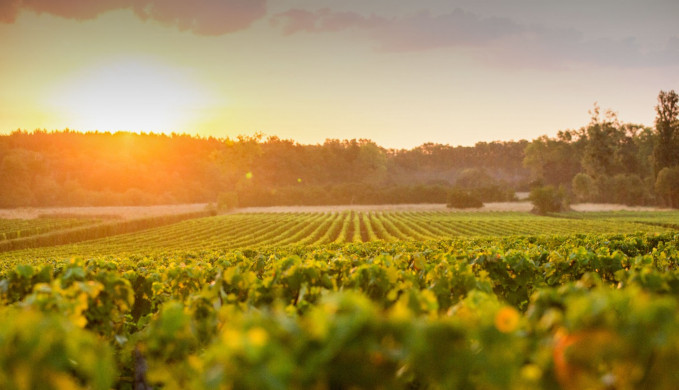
<point>75,9</point>
<point>204,17</point>
<point>457,28</point>
<point>563,47</point>
<point>502,39</point>
<point>670,54</point>
<point>417,32</point>
<point>324,20</point>
<point>9,10</point>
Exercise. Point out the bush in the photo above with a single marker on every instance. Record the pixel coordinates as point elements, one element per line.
<point>462,199</point>
<point>548,199</point>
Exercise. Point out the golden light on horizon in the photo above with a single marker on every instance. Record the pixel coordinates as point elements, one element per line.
<point>131,95</point>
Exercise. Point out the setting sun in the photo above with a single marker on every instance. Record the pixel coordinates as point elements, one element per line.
<point>132,95</point>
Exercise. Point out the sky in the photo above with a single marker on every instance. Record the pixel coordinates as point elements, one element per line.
<point>398,72</point>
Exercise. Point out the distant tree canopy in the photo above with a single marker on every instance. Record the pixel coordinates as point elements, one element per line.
<point>667,131</point>
<point>667,186</point>
<point>459,198</point>
<point>43,168</point>
<point>605,161</point>
<point>610,161</point>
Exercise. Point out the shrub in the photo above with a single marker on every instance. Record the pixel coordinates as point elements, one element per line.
<point>462,199</point>
<point>548,199</point>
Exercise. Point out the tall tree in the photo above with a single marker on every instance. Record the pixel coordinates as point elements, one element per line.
<point>666,151</point>
<point>554,161</point>
<point>604,138</point>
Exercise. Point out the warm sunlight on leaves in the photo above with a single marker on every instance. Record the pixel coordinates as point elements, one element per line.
<point>507,319</point>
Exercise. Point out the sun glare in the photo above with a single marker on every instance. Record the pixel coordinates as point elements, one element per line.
<point>130,95</point>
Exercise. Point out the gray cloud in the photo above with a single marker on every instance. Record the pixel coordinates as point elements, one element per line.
<point>458,28</point>
<point>204,17</point>
<point>502,39</point>
<point>559,47</point>
<point>324,20</point>
<point>418,32</point>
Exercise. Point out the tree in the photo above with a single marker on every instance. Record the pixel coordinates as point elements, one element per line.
<point>613,148</point>
<point>475,178</point>
<point>548,199</point>
<point>371,163</point>
<point>628,189</point>
<point>665,153</point>
<point>667,186</point>
<point>585,188</point>
<point>20,171</point>
<point>554,160</point>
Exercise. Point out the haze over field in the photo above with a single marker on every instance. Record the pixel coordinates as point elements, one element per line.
<point>398,72</point>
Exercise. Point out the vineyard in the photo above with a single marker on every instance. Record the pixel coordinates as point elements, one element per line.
<point>17,228</point>
<point>255,230</point>
<point>659,218</point>
<point>366,300</point>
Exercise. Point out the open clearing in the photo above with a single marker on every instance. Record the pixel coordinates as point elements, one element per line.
<point>493,206</point>
<point>134,212</point>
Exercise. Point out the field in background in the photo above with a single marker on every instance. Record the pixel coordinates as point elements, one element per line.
<point>256,230</point>
<point>17,228</point>
<point>46,230</point>
<point>123,212</point>
<point>37,228</point>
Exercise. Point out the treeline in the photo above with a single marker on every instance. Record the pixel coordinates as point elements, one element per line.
<point>613,162</point>
<point>360,193</point>
<point>43,168</point>
<point>605,161</point>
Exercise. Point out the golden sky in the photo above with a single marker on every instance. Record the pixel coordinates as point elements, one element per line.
<point>398,72</point>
